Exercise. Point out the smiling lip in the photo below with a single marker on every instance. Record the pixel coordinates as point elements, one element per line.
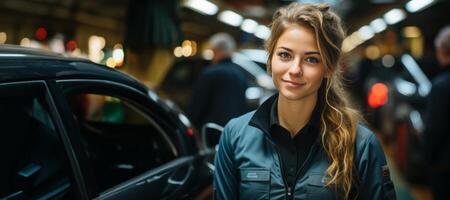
<point>293,84</point>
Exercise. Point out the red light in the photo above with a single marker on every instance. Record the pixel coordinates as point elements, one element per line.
<point>190,132</point>
<point>378,95</point>
<point>71,45</point>
<point>41,33</point>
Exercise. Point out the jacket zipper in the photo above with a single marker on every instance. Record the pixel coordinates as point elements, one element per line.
<point>289,193</point>
<point>290,189</point>
<point>302,168</point>
<point>286,186</point>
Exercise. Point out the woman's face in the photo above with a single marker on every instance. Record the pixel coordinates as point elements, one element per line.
<point>297,68</point>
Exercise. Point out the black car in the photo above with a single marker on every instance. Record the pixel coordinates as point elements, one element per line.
<point>72,129</point>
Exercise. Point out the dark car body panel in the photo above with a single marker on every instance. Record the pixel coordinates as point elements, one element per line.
<point>23,70</point>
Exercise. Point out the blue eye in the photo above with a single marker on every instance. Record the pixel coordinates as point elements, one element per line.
<point>284,55</point>
<point>312,60</point>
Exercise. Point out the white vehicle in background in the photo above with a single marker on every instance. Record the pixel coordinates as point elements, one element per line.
<point>253,61</point>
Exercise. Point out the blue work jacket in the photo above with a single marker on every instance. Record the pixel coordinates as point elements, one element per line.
<point>247,166</point>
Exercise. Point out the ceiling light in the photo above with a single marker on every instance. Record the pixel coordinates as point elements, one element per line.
<point>351,42</point>
<point>366,32</point>
<point>231,18</point>
<point>262,32</point>
<point>378,25</point>
<point>202,6</point>
<point>249,26</point>
<point>417,5</point>
<point>394,16</point>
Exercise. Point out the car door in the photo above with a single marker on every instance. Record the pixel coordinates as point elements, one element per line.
<point>35,151</point>
<point>133,150</point>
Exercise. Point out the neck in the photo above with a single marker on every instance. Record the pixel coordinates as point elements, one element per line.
<point>446,64</point>
<point>294,115</point>
<point>219,57</point>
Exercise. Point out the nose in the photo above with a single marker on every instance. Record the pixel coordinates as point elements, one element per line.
<point>296,69</point>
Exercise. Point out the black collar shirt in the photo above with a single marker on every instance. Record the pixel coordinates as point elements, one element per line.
<point>293,151</point>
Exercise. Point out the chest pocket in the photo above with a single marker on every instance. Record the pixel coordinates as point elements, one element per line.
<point>255,183</point>
<point>316,187</point>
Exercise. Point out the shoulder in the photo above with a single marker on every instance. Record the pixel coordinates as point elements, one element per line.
<point>368,145</point>
<point>440,90</point>
<point>217,70</point>
<point>363,134</point>
<point>235,124</point>
<point>373,170</point>
<point>234,130</point>
<point>208,70</point>
<point>441,81</point>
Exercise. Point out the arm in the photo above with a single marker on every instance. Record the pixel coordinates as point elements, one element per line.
<point>436,121</point>
<point>375,181</point>
<point>199,99</point>
<point>225,173</point>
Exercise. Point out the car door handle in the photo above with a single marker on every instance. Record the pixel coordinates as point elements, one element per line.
<point>183,181</point>
<point>151,179</point>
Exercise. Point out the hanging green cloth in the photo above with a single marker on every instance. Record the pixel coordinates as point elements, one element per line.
<point>152,23</point>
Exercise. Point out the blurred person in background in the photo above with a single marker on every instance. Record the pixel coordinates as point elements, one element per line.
<point>305,142</point>
<point>437,121</point>
<point>219,92</point>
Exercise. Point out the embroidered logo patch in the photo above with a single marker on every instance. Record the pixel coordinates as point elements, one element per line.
<point>255,174</point>
<point>252,175</point>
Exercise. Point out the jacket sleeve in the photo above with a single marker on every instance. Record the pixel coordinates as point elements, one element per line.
<point>200,99</point>
<point>375,181</point>
<point>436,123</point>
<point>225,182</point>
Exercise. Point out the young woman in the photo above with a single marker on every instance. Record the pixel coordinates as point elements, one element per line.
<point>304,142</point>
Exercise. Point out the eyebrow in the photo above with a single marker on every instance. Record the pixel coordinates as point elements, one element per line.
<point>312,52</point>
<point>306,53</point>
<point>285,48</point>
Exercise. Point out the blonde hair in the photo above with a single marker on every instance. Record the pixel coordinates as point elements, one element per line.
<point>338,121</point>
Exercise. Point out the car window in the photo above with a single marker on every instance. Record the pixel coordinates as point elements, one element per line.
<point>120,139</point>
<point>34,163</point>
<point>101,108</point>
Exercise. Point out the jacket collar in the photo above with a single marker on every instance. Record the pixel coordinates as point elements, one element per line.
<point>225,60</point>
<point>264,119</point>
<point>273,116</point>
<point>261,118</point>
<point>447,68</point>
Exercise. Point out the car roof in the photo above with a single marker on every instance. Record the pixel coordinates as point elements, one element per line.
<point>22,64</point>
<point>14,51</point>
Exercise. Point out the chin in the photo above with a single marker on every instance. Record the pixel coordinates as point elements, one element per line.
<point>292,96</point>
<point>297,95</point>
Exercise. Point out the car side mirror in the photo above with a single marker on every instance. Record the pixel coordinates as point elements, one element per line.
<point>211,134</point>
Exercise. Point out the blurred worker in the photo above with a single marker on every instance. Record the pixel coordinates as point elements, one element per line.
<point>219,93</point>
<point>437,123</point>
